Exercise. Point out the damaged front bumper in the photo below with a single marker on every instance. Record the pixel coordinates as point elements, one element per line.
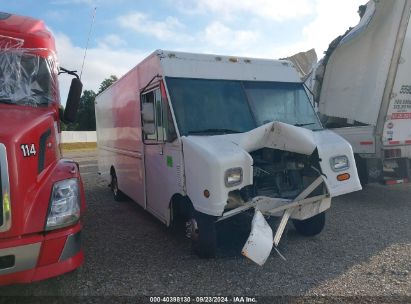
<point>261,239</point>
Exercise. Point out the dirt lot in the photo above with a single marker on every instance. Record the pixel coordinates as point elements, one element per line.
<point>364,251</point>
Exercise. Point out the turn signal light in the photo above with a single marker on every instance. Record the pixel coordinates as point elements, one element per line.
<point>343,177</point>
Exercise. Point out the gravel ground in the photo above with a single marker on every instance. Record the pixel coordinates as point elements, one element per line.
<point>365,250</point>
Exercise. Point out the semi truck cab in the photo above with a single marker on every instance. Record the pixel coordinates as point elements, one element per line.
<point>42,196</point>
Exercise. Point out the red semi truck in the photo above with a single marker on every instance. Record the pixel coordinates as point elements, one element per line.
<point>42,197</point>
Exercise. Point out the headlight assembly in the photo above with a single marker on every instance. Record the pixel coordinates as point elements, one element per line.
<point>64,207</point>
<point>339,163</point>
<point>233,177</point>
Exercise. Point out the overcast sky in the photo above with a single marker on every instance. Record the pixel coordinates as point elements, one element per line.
<point>126,31</point>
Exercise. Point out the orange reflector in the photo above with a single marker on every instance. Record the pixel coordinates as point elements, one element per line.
<point>343,177</point>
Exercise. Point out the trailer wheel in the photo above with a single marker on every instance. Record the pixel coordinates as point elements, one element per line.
<point>311,226</point>
<point>117,194</point>
<point>202,232</point>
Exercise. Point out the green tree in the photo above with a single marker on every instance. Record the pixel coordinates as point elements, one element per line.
<point>69,126</point>
<point>106,83</point>
<point>86,117</point>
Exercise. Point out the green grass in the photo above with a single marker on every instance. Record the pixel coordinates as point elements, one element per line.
<point>70,147</point>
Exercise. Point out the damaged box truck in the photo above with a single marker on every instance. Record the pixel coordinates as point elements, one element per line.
<point>205,137</point>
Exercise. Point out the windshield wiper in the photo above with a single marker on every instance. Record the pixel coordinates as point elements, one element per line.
<point>304,124</point>
<point>205,131</point>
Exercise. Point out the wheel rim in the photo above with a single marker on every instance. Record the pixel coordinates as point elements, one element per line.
<point>192,229</point>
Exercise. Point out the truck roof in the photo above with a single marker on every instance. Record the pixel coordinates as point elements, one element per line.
<point>209,66</point>
<point>32,31</point>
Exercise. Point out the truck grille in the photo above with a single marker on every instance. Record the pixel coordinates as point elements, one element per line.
<point>5,207</point>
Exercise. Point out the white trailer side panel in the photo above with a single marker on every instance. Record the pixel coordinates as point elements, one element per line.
<point>397,127</point>
<point>356,74</point>
<point>361,138</point>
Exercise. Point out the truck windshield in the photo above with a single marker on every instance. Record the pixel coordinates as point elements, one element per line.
<point>204,106</point>
<point>25,79</point>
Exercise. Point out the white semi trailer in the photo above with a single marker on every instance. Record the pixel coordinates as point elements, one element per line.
<point>206,137</point>
<point>362,89</point>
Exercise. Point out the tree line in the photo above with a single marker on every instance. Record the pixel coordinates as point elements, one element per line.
<point>86,116</point>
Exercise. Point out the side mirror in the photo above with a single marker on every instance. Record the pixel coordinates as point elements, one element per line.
<point>73,100</point>
<point>147,114</point>
<point>149,128</point>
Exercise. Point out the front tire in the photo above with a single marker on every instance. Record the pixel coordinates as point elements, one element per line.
<point>202,232</point>
<point>311,226</point>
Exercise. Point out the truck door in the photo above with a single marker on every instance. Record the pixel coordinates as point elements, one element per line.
<point>160,154</point>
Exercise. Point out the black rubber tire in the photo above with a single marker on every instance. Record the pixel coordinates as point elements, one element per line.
<point>362,170</point>
<point>206,244</point>
<point>178,221</point>
<point>311,226</point>
<point>117,194</point>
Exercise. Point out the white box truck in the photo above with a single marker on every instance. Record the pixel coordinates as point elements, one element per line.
<point>206,137</point>
<point>362,88</point>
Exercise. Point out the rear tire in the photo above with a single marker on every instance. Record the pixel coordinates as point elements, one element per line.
<point>202,232</point>
<point>311,226</point>
<point>117,194</point>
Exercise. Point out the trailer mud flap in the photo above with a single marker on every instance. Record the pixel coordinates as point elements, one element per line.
<point>260,241</point>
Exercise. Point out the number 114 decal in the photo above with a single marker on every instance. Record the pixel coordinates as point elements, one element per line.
<point>28,150</point>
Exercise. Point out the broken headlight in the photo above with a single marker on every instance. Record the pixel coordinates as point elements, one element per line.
<point>339,163</point>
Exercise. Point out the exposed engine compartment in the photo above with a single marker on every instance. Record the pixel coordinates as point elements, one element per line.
<point>277,174</point>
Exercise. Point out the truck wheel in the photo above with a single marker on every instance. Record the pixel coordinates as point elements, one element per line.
<point>202,232</point>
<point>117,194</point>
<point>362,169</point>
<point>311,226</point>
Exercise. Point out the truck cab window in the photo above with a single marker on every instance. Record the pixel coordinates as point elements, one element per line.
<point>161,127</point>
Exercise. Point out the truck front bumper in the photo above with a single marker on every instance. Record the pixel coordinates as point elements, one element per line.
<point>261,239</point>
<point>41,256</point>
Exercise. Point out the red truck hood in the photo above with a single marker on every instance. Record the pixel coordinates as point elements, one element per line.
<point>21,127</point>
<point>17,120</point>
